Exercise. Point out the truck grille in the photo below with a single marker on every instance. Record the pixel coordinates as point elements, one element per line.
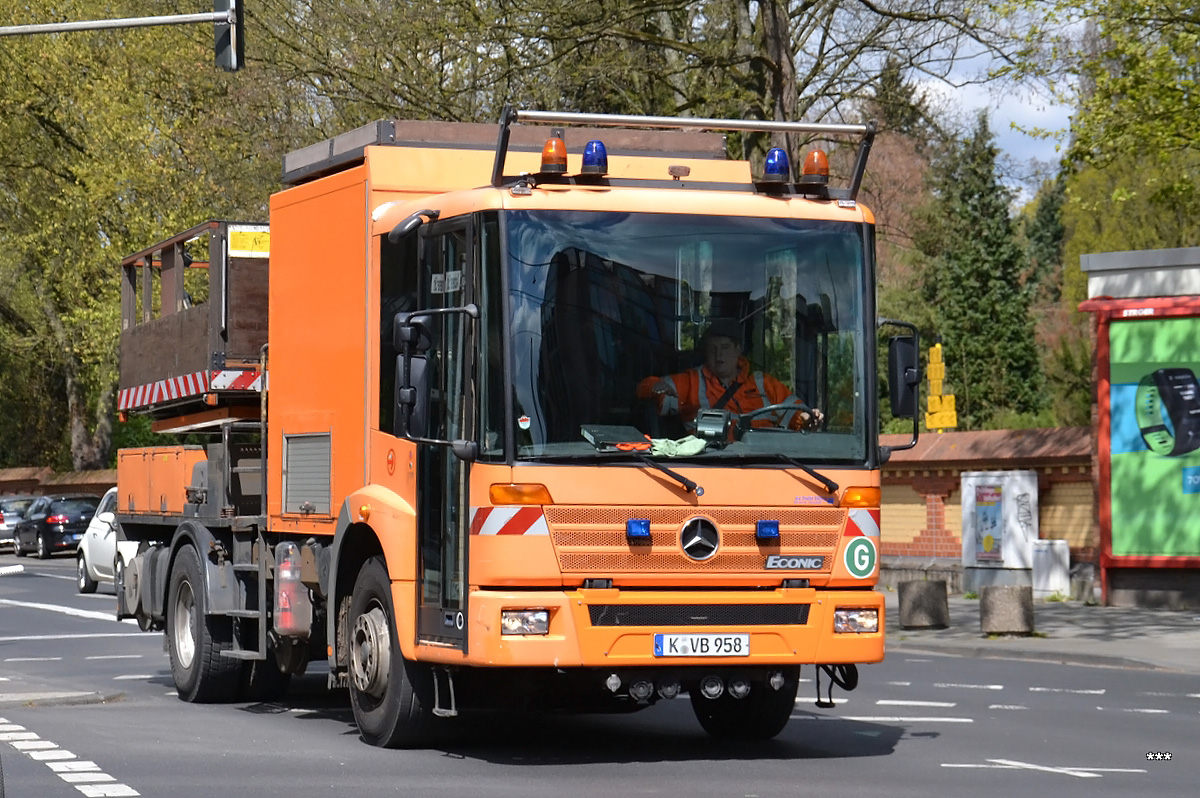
<point>698,615</point>
<point>592,539</point>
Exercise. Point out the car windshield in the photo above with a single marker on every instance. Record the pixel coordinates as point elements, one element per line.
<point>15,506</point>
<point>603,305</point>
<point>82,506</point>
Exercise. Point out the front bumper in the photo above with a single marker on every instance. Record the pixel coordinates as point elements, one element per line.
<point>616,629</point>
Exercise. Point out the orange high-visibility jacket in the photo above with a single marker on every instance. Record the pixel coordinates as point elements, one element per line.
<point>698,389</point>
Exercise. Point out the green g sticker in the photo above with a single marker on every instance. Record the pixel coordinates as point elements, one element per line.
<point>860,557</point>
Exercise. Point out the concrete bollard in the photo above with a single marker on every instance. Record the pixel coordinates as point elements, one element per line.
<point>1006,610</point>
<point>924,605</point>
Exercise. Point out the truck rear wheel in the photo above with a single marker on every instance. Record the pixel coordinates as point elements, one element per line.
<point>195,639</point>
<point>391,696</point>
<point>759,716</point>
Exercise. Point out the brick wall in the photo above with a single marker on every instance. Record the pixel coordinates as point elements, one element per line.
<point>921,512</point>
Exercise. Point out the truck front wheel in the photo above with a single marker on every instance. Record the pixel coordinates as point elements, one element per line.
<point>390,695</point>
<point>758,716</point>
<point>196,639</point>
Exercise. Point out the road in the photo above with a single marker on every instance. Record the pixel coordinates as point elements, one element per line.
<point>87,707</point>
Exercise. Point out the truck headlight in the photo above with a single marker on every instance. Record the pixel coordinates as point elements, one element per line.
<point>856,620</point>
<point>525,622</point>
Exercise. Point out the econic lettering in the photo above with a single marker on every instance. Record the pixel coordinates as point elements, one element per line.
<point>780,562</point>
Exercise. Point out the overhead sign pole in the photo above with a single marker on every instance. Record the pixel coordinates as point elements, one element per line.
<point>226,19</point>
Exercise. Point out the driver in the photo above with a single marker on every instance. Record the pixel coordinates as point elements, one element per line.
<point>725,381</point>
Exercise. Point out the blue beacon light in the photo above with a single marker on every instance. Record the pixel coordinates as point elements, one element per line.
<point>777,169</point>
<point>766,530</point>
<point>637,529</point>
<point>595,158</point>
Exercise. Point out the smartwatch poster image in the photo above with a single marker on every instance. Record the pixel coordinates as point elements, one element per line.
<point>1155,437</point>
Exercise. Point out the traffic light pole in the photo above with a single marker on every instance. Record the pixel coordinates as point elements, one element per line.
<point>228,21</point>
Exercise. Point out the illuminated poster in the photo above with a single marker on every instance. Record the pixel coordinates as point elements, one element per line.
<point>1154,441</point>
<point>989,523</point>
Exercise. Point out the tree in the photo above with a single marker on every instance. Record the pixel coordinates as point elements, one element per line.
<point>104,145</point>
<point>973,279</point>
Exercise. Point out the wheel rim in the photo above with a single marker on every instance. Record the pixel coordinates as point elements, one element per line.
<point>371,652</point>
<point>41,545</point>
<point>182,629</point>
<point>81,566</point>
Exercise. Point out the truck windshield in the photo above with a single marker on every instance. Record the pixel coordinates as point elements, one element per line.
<point>603,306</point>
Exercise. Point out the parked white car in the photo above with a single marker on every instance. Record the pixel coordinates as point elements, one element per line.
<point>102,554</point>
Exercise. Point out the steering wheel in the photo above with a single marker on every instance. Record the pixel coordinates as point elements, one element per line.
<point>744,419</point>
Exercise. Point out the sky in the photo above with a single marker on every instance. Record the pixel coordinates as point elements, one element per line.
<point>1024,109</point>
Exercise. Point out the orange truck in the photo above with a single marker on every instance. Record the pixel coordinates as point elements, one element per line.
<point>423,456</point>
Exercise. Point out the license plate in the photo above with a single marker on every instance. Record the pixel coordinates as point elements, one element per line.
<point>702,645</point>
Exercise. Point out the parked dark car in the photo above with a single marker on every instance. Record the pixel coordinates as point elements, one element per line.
<point>54,523</point>
<point>12,509</point>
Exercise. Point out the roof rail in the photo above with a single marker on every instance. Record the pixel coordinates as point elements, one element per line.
<point>510,116</point>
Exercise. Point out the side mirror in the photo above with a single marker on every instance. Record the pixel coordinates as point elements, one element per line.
<point>411,333</point>
<point>412,396</point>
<point>107,517</point>
<point>904,375</point>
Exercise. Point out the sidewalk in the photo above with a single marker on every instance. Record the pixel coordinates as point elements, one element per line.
<point>1064,631</point>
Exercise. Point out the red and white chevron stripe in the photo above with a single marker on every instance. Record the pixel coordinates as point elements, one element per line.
<point>863,522</point>
<point>508,521</point>
<point>189,385</point>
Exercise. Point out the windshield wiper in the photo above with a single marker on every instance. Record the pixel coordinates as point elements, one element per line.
<point>688,485</point>
<point>830,486</point>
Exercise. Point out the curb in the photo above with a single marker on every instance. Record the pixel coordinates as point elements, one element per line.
<point>47,698</point>
<point>1060,657</point>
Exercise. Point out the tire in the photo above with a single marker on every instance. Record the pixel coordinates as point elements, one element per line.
<point>195,639</point>
<point>759,716</point>
<point>83,579</point>
<point>18,549</point>
<point>392,698</point>
<point>43,549</point>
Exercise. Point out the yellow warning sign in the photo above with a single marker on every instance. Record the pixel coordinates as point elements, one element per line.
<point>249,241</point>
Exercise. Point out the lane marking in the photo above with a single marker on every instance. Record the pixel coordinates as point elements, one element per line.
<point>1099,691</point>
<point>900,684</point>
<point>19,638</point>
<point>914,659</point>
<point>896,702</point>
<point>1045,769</point>
<point>133,676</point>
<point>116,656</point>
<point>34,659</point>
<point>90,614</point>
<point>969,686</point>
<point>1138,709</point>
<point>1006,706</point>
<point>83,775</point>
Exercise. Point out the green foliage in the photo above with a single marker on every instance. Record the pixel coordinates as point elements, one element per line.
<point>973,279</point>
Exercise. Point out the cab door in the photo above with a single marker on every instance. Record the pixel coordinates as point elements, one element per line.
<point>446,281</point>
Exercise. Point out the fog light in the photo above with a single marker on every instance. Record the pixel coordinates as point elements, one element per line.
<point>668,688</point>
<point>613,682</point>
<point>525,622</point>
<point>711,687</point>
<point>640,690</point>
<point>776,681</point>
<point>856,620</point>
<point>739,688</point>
